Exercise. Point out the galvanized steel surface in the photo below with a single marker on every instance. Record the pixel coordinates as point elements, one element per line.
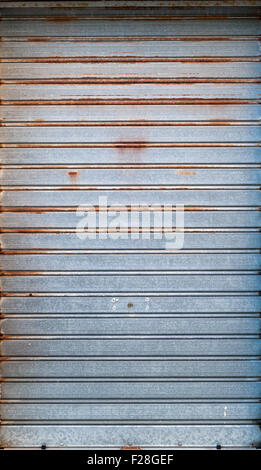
<point>111,342</point>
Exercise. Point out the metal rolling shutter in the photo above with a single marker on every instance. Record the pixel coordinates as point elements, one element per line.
<point>110,343</point>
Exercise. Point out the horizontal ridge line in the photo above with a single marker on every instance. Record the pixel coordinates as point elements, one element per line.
<point>130,59</point>
<point>114,19</point>
<point>188,208</point>
<point>132,230</point>
<point>131,401</point>
<point>105,187</point>
<point>136,123</point>
<point>187,38</point>
<point>104,294</point>
<point>129,336</point>
<point>161,251</point>
<point>175,272</point>
<point>130,145</point>
<point>200,358</point>
<point>125,80</point>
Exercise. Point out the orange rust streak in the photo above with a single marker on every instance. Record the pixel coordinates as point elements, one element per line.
<point>186,172</point>
<point>45,210</point>
<point>131,59</point>
<point>129,101</point>
<point>107,230</point>
<point>30,210</point>
<point>73,174</point>
<point>26,273</point>
<point>131,448</point>
<point>4,338</point>
<point>131,38</point>
<point>134,123</point>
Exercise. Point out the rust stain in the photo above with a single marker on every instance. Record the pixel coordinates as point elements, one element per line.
<point>5,358</point>
<point>46,210</point>
<point>130,150</point>
<point>24,273</point>
<point>137,146</point>
<point>133,38</point>
<point>111,230</point>
<point>41,39</point>
<point>4,338</point>
<point>73,174</point>
<point>118,188</point>
<point>186,172</point>
<point>134,59</point>
<point>32,210</point>
<point>130,101</point>
<point>29,210</point>
<point>21,294</point>
<point>134,123</point>
<point>130,305</point>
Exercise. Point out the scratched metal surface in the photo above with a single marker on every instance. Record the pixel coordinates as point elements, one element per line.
<point>119,342</point>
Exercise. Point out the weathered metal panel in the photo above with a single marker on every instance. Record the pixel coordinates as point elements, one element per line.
<point>137,369</point>
<point>13,94</point>
<point>129,390</point>
<point>117,341</point>
<point>137,261</point>
<point>111,282</point>
<point>121,326</point>
<point>210,195</point>
<point>91,134</point>
<point>68,219</point>
<point>145,436</point>
<point>127,155</point>
<point>125,27</point>
<point>210,114</point>
<point>84,49</point>
<point>130,347</point>
<point>127,413</point>
<point>158,304</point>
<point>129,176</point>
